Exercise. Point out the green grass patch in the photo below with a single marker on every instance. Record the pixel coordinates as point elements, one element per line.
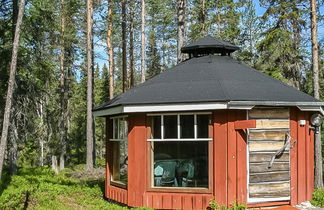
<point>41,188</point>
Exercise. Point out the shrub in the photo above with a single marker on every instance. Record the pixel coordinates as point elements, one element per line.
<point>214,205</point>
<point>318,198</point>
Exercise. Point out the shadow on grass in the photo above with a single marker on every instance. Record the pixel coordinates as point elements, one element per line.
<point>5,181</point>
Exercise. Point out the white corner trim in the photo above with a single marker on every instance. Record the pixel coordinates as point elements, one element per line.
<point>110,111</point>
<point>174,107</point>
<point>312,108</point>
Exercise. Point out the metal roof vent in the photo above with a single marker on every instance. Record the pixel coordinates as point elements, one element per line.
<point>209,45</point>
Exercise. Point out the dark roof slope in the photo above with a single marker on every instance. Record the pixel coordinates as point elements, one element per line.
<point>209,79</point>
<point>209,43</point>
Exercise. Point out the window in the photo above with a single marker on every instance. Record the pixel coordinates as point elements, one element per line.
<point>180,150</point>
<point>120,150</point>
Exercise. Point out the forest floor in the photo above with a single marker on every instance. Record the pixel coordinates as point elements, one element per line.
<point>41,188</point>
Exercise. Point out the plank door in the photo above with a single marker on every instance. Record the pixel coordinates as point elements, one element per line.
<point>268,184</point>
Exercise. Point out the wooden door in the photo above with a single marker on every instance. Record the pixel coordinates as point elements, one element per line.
<point>267,183</point>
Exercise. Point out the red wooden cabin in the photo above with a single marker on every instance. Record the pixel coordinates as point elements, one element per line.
<point>210,127</point>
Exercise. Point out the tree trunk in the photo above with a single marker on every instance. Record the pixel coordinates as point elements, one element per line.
<point>54,164</point>
<point>124,61</point>
<point>143,64</point>
<point>218,19</point>
<point>12,74</point>
<point>203,18</point>
<point>90,145</point>
<point>63,93</point>
<point>14,17</point>
<point>13,156</point>
<point>181,28</point>
<point>110,50</point>
<point>318,143</point>
<point>131,43</point>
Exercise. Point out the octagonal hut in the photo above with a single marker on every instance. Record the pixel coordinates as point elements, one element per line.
<point>210,127</point>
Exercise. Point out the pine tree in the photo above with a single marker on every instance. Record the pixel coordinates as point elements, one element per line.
<point>13,68</point>
<point>250,34</point>
<point>181,13</point>
<point>90,146</point>
<point>143,43</point>
<point>110,49</point>
<point>280,48</point>
<point>316,85</point>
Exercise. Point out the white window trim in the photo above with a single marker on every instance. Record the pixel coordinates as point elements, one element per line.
<point>114,120</point>
<point>179,128</point>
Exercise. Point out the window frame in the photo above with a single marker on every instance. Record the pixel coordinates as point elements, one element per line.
<point>113,127</point>
<point>179,127</point>
<point>150,152</point>
<point>115,142</point>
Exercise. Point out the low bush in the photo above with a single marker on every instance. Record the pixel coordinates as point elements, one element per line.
<point>214,205</point>
<point>318,198</point>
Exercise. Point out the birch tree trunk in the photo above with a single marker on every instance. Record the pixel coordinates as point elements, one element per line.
<point>90,144</point>
<point>124,60</point>
<point>318,143</point>
<point>110,50</point>
<point>12,74</point>
<point>143,63</point>
<point>181,28</point>
<point>131,43</point>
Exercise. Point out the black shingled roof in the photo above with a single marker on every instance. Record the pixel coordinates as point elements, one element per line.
<point>209,79</point>
<point>209,43</point>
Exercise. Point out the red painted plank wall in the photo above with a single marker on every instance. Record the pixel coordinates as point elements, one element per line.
<point>301,158</point>
<point>229,157</point>
<point>136,159</point>
<point>230,165</point>
<point>188,201</point>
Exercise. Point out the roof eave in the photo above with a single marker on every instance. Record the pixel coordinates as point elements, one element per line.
<point>244,105</point>
<point>316,106</point>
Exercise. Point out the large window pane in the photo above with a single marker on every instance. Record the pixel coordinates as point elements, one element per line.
<point>120,151</point>
<point>120,161</point>
<point>181,164</point>
<point>202,126</point>
<point>187,126</point>
<point>156,127</point>
<point>115,124</point>
<point>170,127</point>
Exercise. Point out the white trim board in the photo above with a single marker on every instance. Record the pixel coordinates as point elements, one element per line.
<point>174,107</point>
<point>263,200</point>
<point>159,108</point>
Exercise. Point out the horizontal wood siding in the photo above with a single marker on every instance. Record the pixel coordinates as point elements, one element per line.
<point>186,201</point>
<point>263,166</point>
<point>264,157</point>
<point>269,190</point>
<point>269,113</point>
<point>265,140</point>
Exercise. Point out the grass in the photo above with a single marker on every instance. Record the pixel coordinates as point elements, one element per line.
<point>40,188</point>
